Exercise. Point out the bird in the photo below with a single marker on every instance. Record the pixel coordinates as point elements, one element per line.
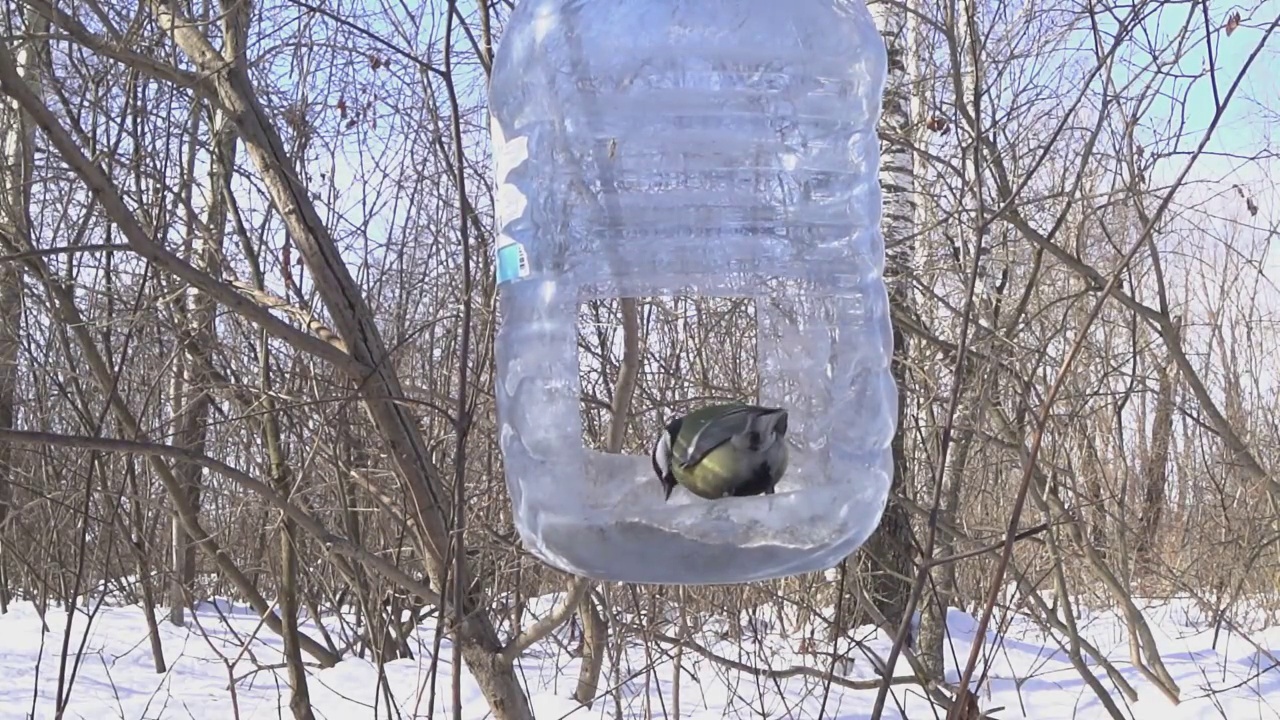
<point>723,450</point>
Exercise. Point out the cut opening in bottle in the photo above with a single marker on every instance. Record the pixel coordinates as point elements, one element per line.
<point>689,351</point>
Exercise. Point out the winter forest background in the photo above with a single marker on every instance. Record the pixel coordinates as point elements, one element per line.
<point>246,411</point>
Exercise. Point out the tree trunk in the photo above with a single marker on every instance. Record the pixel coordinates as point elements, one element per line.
<point>17,155</point>
<point>595,626</point>
<point>200,332</point>
<point>887,556</point>
<point>140,542</point>
<point>299,697</point>
<point>371,372</point>
<point>595,643</point>
<point>1155,468</point>
<point>940,588</point>
<point>10,329</point>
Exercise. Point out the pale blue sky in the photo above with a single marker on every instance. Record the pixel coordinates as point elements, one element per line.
<point>1245,130</point>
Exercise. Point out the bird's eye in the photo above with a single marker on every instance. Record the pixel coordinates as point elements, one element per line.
<point>753,439</point>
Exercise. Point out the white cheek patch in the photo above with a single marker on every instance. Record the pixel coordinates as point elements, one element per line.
<point>661,451</point>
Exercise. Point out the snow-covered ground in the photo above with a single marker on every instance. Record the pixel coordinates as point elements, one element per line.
<point>1239,679</point>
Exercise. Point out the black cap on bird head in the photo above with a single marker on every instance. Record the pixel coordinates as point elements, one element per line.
<point>766,426</point>
<point>776,420</point>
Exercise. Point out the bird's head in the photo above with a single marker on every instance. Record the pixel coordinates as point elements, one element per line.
<point>764,429</point>
<point>661,455</point>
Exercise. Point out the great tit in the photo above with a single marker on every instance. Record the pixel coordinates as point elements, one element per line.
<point>723,450</point>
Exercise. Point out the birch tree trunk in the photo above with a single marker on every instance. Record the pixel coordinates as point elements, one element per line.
<point>887,555</point>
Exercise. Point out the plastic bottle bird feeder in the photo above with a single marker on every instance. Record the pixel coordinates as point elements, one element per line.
<point>661,147</point>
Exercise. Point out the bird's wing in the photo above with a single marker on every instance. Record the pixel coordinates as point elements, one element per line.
<point>713,433</point>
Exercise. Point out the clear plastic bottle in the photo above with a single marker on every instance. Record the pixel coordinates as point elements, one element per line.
<point>707,147</point>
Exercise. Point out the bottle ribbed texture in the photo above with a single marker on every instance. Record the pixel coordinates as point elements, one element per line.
<point>717,147</point>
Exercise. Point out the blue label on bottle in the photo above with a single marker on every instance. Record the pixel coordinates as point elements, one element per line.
<point>513,262</point>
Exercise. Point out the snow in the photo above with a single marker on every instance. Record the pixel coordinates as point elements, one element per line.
<point>1030,677</point>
